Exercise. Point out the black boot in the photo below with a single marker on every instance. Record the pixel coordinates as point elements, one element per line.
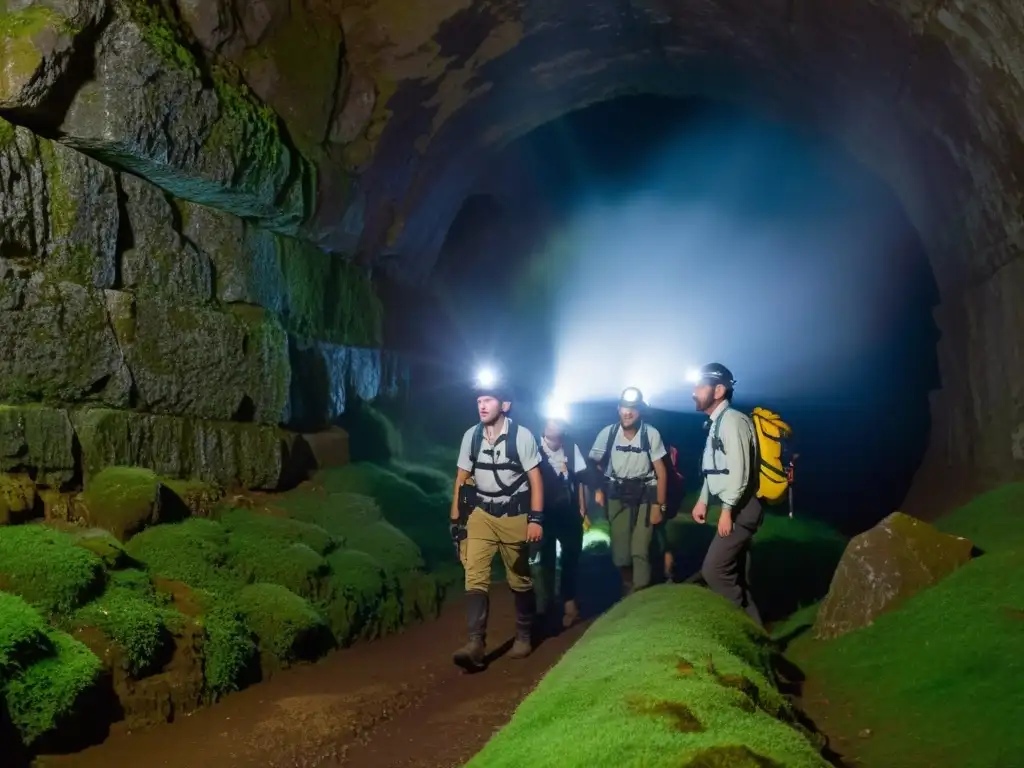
<point>526,610</point>
<point>626,573</point>
<point>471,656</point>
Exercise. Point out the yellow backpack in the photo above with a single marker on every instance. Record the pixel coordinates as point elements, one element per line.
<point>771,431</point>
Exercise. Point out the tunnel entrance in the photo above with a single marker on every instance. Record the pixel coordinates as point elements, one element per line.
<point>630,240</point>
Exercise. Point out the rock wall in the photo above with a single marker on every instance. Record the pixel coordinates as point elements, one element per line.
<point>160,302</point>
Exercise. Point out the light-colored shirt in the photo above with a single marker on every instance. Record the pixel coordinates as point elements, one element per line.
<point>497,453</point>
<point>738,453</point>
<point>557,469</point>
<point>627,460</point>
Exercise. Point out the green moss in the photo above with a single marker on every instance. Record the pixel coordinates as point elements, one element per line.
<point>160,32</point>
<point>421,516</point>
<point>133,580</point>
<point>137,624</point>
<point>362,600</point>
<point>52,691</point>
<point>198,497</point>
<point>622,684</point>
<point>122,500</point>
<point>23,636</point>
<point>7,133</point>
<point>104,546</point>
<point>327,297</point>
<point>245,123</point>
<point>295,566</point>
<point>47,568</point>
<point>17,497</point>
<point>945,649</point>
<point>288,628</point>
<point>230,652</point>
<point>194,552</point>
<point>17,28</point>
<point>280,530</point>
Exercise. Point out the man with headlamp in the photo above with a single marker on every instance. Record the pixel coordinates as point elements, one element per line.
<point>565,511</point>
<point>630,457</point>
<point>498,506</point>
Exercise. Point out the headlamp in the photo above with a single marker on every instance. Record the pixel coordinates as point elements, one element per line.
<point>693,376</point>
<point>631,397</point>
<point>486,377</point>
<point>555,409</point>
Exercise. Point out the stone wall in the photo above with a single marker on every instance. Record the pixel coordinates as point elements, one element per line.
<point>161,303</point>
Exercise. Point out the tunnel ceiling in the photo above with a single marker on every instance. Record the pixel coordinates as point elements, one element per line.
<point>923,93</point>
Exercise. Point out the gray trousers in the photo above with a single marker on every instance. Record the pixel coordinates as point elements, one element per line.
<point>726,566</point>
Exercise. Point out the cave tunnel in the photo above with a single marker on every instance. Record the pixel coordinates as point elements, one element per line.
<point>227,226</point>
<point>871,91</point>
<point>827,282</point>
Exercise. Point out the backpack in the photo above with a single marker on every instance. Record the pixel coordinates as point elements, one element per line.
<point>645,446</point>
<point>511,459</point>
<point>771,432</point>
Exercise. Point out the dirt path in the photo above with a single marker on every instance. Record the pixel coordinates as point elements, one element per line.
<point>395,702</point>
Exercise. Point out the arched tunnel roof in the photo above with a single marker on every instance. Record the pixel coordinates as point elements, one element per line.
<point>923,94</point>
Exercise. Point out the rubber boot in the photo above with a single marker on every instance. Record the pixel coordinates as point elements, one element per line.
<point>626,573</point>
<point>471,656</point>
<point>526,610</point>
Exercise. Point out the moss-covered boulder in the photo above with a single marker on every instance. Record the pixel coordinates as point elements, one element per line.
<point>673,676</point>
<point>53,692</point>
<point>278,530</point>
<point>148,108</point>
<point>884,566</point>
<point>289,629</point>
<point>226,454</point>
<point>38,440</point>
<point>102,544</point>
<point>24,636</point>
<point>230,652</point>
<point>123,500</point>
<point>48,569</point>
<point>194,551</point>
<point>131,618</point>
<point>362,601</point>
<point>58,344</point>
<point>17,498</point>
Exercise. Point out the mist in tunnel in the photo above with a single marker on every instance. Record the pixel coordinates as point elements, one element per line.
<point>633,240</point>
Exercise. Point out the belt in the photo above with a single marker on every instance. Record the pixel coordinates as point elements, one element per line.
<point>510,508</point>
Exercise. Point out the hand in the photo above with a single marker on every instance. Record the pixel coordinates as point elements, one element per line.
<point>700,512</point>
<point>656,514</point>
<point>534,533</point>
<point>725,523</point>
<point>599,497</point>
<point>586,522</point>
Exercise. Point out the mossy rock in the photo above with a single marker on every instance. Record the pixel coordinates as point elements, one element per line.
<point>296,566</point>
<point>194,551</point>
<point>123,500</point>
<point>288,628</point>
<point>279,528</point>
<point>24,637</point>
<point>102,544</point>
<point>230,654</point>
<point>135,622</point>
<point>198,498</point>
<point>48,568</point>
<point>50,693</point>
<point>361,598</point>
<point>18,499</point>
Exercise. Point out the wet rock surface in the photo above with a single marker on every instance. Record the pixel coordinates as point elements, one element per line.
<point>884,566</point>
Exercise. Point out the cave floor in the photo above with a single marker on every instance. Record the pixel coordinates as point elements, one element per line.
<point>396,702</point>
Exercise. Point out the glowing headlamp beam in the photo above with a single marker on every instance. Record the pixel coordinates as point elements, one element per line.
<point>556,409</point>
<point>631,395</point>
<point>486,377</point>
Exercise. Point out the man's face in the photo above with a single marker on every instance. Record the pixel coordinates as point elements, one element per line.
<point>628,416</point>
<point>553,432</point>
<point>704,395</point>
<point>490,408</point>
